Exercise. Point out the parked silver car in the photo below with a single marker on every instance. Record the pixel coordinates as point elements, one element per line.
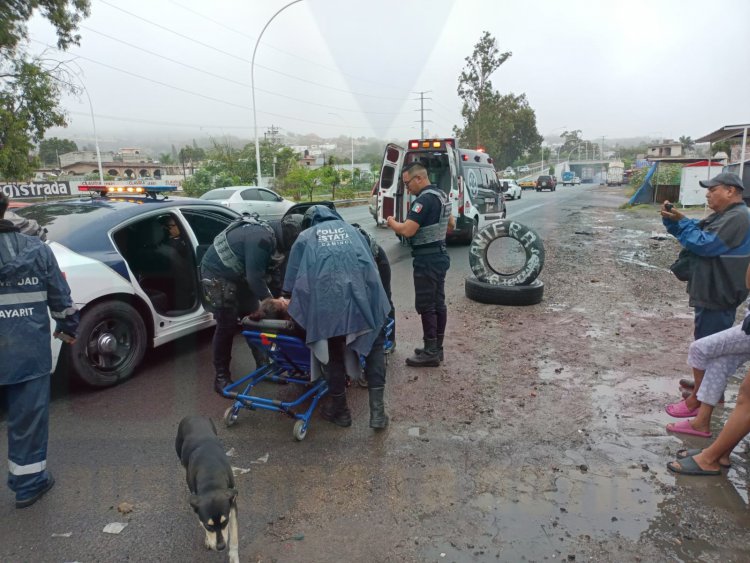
<point>250,199</point>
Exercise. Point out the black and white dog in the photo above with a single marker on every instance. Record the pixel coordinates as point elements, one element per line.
<point>211,482</point>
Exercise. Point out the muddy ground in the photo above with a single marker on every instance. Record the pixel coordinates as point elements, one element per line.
<point>542,437</point>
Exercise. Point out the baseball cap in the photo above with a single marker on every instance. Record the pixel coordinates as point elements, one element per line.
<point>725,178</point>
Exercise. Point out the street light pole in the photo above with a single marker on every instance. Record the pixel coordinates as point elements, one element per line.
<point>252,87</point>
<point>93,121</point>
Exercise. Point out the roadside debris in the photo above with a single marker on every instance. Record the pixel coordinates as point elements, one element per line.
<point>114,527</point>
<point>65,535</point>
<point>125,508</point>
<point>240,470</point>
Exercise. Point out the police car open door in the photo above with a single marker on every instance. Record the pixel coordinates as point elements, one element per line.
<point>391,200</point>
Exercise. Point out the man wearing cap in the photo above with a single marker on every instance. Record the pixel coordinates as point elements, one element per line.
<point>720,245</point>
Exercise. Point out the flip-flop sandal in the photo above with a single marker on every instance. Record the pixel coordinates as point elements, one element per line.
<point>688,466</point>
<point>680,410</point>
<point>683,427</point>
<point>682,454</point>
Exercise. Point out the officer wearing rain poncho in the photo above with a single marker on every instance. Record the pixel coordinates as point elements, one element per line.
<point>338,298</point>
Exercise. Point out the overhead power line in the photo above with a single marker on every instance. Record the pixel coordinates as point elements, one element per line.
<point>243,59</point>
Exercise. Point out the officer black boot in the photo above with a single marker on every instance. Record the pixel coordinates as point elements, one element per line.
<point>440,337</point>
<point>378,418</point>
<point>222,380</point>
<point>430,356</point>
<point>337,411</point>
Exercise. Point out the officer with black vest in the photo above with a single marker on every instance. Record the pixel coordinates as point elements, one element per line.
<point>425,227</point>
<point>244,265</point>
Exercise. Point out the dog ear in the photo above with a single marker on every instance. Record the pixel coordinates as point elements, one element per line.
<point>195,502</point>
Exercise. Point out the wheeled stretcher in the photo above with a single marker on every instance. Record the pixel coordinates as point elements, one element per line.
<point>290,362</point>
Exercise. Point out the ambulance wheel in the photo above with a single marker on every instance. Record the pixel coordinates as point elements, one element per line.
<point>110,344</point>
<point>506,253</point>
<point>300,430</point>
<point>231,415</point>
<point>473,231</point>
<point>483,292</point>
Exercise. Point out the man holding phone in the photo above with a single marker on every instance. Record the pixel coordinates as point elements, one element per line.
<point>30,283</point>
<point>720,244</point>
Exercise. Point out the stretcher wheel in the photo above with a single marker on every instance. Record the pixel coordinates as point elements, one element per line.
<point>300,430</point>
<point>230,416</point>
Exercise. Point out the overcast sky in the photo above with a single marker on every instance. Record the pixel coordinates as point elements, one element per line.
<point>182,68</point>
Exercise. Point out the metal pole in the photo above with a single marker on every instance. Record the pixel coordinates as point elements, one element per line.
<point>252,87</point>
<point>93,122</point>
<point>742,154</point>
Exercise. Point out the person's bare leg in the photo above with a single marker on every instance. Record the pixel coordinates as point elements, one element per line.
<point>702,421</point>
<point>736,428</point>
<point>692,401</point>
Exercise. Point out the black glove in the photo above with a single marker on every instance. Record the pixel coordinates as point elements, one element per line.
<point>746,325</point>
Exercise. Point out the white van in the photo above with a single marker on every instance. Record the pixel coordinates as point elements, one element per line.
<point>467,176</point>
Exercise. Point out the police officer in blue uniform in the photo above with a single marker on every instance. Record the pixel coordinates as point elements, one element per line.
<point>244,265</point>
<point>30,283</point>
<point>425,227</point>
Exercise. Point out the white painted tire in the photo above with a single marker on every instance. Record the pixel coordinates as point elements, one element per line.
<point>528,239</point>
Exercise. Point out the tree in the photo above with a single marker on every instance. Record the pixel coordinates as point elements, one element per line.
<point>571,139</point>
<point>50,149</point>
<point>165,158</point>
<point>503,125</point>
<point>687,143</point>
<point>30,87</point>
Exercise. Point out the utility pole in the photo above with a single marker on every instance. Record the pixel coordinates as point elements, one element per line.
<point>421,111</point>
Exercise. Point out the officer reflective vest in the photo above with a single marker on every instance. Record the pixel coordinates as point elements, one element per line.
<point>437,231</point>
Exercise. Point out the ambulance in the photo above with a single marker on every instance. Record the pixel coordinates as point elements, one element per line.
<point>467,176</point>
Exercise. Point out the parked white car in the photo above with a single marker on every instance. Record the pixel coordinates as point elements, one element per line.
<point>513,191</point>
<point>524,169</point>
<point>508,171</point>
<point>250,199</point>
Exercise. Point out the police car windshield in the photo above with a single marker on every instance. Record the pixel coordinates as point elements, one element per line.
<point>61,220</point>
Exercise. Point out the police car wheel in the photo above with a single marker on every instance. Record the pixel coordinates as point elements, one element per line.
<point>483,292</point>
<point>111,343</point>
<point>506,253</point>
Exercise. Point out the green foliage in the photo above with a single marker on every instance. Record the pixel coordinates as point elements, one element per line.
<point>28,107</point>
<point>208,178</point>
<point>165,158</point>
<point>504,125</point>
<point>668,174</point>
<point>49,149</point>
<point>64,15</point>
<point>31,87</point>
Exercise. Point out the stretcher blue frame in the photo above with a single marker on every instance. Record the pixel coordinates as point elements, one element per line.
<point>289,359</point>
<point>289,363</point>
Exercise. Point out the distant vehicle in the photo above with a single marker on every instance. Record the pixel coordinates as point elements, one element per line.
<point>467,177</point>
<point>545,183</point>
<point>511,189</point>
<point>250,199</point>
<point>525,184</point>
<point>508,171</point>
<point>587,175</point>
<point>524,168</point>
<point>615,173</point>
<point>576,180</point>
<point>567,178</point>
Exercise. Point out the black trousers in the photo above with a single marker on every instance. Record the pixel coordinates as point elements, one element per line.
<point>429,291</point>
<point>226,327</point>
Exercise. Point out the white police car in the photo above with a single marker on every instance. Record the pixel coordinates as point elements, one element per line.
<point>133,275</point>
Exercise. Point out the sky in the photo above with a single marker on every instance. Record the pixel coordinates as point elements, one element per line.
<point>180,69</point>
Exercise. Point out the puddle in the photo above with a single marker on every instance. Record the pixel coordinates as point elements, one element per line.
<point>634,257</point>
